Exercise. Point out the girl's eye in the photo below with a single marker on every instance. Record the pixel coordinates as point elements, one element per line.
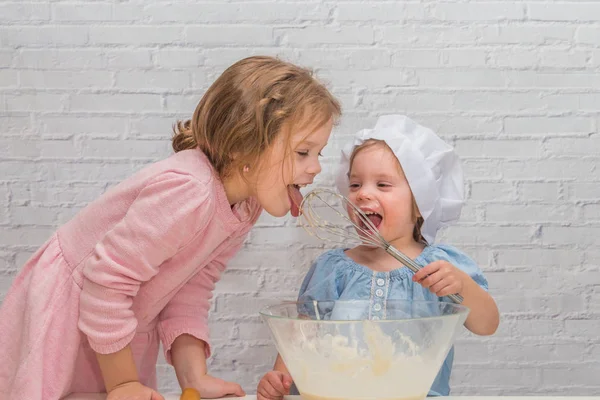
<point>354,185</point>
<point>302,153</point>
<point>383,185</point>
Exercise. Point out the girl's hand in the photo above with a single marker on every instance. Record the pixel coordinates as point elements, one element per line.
<point>442,278</point>
<point>274,385</point>
<point>210,387</point>
<point>133,391</point>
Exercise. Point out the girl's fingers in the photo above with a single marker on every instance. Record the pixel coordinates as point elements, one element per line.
<point>269,391</point>
<point>426,270</point>
<point>157,396</point>
<point>447,290</point>
<point>235,389</point>
<point>261,395</point>
<point>427,282</point>
<point>264,394</point>
<point>439,286</point>
<point>432,279</point>
<point>276,383</point>
<point>287,381</point>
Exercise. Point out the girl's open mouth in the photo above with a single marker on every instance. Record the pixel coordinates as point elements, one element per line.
<point>373,217</point>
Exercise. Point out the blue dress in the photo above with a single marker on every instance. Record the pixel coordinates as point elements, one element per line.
<point>335,276</point>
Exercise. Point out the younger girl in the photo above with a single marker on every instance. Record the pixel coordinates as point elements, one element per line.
<point>138,265</point>
<point>411,183</point>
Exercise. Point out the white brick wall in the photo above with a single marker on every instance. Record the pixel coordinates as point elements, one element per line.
<point>89,91</point>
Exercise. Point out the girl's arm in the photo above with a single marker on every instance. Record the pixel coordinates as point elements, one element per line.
<point>187,312</point>
<point>280,365</point>
<point>188,355</point>
<point>129,254</point>
<point>189,359</point>
<point>121,378</point>
<point>443,279</point>
<point>183,329</point>
<point>484,317</point>
<point>163,217</point>
<point>117,368</point>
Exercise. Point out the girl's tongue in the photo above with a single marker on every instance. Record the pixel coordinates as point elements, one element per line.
<point>295,199</point>
<point>375,219</point>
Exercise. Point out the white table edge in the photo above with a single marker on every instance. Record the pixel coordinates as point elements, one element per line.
<point>84,396</point>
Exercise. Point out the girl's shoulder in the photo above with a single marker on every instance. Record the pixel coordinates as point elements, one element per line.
<point>329,274</point>
<point>335,258</point>
<point>336,261</point>
<point>190,162</point>
<point>331,260</point>
<point>446,252</point>
<point>456,257</point>
<point>331,255</point>
<point>185,166</point>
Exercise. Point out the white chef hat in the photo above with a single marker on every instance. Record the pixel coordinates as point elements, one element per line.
<point>430,165</point>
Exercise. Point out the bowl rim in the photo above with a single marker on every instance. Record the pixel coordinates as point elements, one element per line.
<point>462,310</point>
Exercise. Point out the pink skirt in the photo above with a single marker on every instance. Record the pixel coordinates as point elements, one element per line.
<point>44,354</point>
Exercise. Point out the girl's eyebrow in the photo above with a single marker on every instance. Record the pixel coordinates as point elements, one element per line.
<point>310,143</point>
<point>382,175</point>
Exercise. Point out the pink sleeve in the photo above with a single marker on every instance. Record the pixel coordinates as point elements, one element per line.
<point>166,214</point>
<point>187,312</point>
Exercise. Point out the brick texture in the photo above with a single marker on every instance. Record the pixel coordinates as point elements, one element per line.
<point>89,91</point>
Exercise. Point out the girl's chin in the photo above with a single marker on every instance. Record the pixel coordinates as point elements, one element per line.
<point>277,212</point>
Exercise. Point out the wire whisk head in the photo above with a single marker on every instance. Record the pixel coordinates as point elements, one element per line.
<point>331,217</point>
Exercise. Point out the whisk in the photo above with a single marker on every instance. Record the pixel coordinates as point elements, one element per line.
<point>315,207</point>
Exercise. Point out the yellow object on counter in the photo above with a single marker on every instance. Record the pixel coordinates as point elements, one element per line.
<point>190,394</point>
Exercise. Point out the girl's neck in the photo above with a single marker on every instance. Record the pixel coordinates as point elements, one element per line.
<point>236,188</point>
<point>408,246</point>
<point>379,260</point>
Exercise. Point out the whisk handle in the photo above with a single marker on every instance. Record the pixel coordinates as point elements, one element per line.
<point>414,267</point>
<point>456,298</point>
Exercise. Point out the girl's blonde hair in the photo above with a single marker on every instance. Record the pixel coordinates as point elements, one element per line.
<point>417,218</point>
<point>245,109</point>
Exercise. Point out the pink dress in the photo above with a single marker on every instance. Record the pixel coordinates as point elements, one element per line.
<point>137,266</point>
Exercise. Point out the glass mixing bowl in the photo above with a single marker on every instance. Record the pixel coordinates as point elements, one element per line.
<point>341,350</point>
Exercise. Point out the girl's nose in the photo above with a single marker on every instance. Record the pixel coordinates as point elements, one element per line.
<point>314,167</point>
<point>363,194</point>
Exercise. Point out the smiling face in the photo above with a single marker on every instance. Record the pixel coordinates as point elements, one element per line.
<point>286,166</point>
<point>378,186</point>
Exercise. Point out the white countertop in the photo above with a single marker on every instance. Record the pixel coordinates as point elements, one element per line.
<point>252,397</point>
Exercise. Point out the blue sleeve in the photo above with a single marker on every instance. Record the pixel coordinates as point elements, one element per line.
<point>320,284</point>
<point>464,262</point>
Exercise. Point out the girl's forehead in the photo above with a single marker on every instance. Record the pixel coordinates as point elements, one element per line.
<point>376,151</point>
<point>313,134</point>
<point>377,159</point>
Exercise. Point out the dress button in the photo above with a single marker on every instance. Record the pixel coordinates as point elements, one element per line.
<point>380,281</point>
<point>377,307</point>
<point>379,292</point>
